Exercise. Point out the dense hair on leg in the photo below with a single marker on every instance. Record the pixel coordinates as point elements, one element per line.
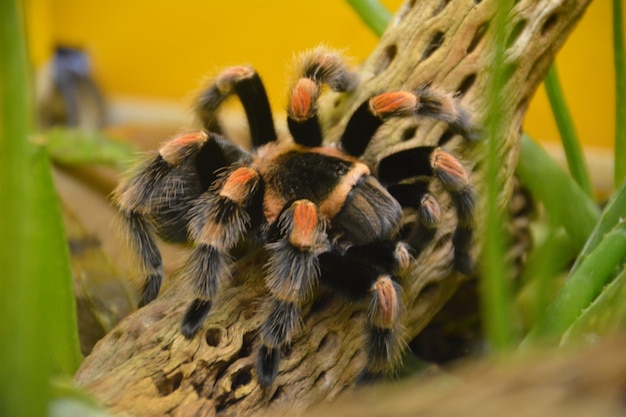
<point>422,102</point>
<point>292,273</point>
<point>142,243</point>
<point>324,65</point>
<point>217,222</point>
<point>426,161</point>
<point>384,342</point>
<point>316,67</point>
<point>155,199</point>
<point>244,82</point>
<point>443,106</point>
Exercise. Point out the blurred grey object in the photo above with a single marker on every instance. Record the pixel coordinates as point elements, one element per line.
<point>67,94</point>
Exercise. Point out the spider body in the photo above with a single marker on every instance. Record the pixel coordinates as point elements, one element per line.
<point>319,212</point>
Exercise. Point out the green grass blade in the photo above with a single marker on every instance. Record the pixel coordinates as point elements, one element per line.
<point>495,291</point>
<point>373,14</point>
<point>606,315</point>
<point>582,286</point>
<point>564,122</point>
<point>38,326</point>
<point>548,258</point>
<point>614,211</point>
<point>620,93</point>
<point>562,198</point>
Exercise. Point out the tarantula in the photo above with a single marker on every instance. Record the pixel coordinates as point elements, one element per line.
<point>319,212</point>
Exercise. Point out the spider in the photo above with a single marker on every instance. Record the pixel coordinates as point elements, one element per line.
<point>320,214</point>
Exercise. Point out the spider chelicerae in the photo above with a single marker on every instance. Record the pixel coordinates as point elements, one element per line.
<point>320,214</point>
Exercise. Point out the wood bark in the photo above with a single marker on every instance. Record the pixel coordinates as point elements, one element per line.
<point>145,367</point>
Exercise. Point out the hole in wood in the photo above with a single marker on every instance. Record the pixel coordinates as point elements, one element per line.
<point>442,5</point>
<point>435,42</point>
<point>241,377</point>
<point>445,137</point>
<point>328,343</point>
<point>466,84</point>
<point>165,385</point>
<point>213,336</point>
<point>277,394</point>
<point>320,380</point>
<point>549,24</point>
<point>409,133</point>
<point>247,344</point>
<point>478,36</point>
<point>386,59</point>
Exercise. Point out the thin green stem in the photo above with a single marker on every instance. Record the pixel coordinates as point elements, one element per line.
<point>571,145</point>
<point>495,291</point>
<point>620,93</point>
<point>373,14</point>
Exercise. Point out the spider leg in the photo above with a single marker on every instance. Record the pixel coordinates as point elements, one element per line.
<point>318,67</point>
<point>218,221</point>
<point>155,200</point>
<point>371,114</point>
<point>291,276</point>
<point>435,162</point>
<point>367,272</point>
<point>245,83</point>
<point>415,195</point>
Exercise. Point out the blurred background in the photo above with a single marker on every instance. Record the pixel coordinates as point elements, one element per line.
<point>149,58</point>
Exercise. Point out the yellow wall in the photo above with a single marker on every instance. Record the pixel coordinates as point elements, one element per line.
<point>163,48</point>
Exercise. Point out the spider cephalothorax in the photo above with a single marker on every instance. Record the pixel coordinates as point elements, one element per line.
<point>317,209</point>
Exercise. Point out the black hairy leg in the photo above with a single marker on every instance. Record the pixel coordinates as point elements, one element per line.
<point>316,68</point>
<point>426,161</point>
<point>158,199</point>
<point>245,83</point>
<point>366,273</point>
<point>424,102</point>
<point>218,221</point>
<point>416,196</point>
<point>292,273</point>
<point>152,203</point>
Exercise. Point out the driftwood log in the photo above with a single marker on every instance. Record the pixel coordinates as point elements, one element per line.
<point>578,381</point>
<point>145,367</point>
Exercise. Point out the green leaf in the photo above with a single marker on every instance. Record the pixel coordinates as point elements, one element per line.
<point>546,261</point>
<point>373,14</point>
<point>606,315</point>
<point>613,213</point>
<point>76,147</point>
<point>38,326</point>
<point>70,401</point>
<point>565,202</point>
<point>583,285</point>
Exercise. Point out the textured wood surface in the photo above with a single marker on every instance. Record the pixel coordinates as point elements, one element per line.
<point>144,367</point>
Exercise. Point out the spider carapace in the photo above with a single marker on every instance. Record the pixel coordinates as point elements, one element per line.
<point>322,216</point>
